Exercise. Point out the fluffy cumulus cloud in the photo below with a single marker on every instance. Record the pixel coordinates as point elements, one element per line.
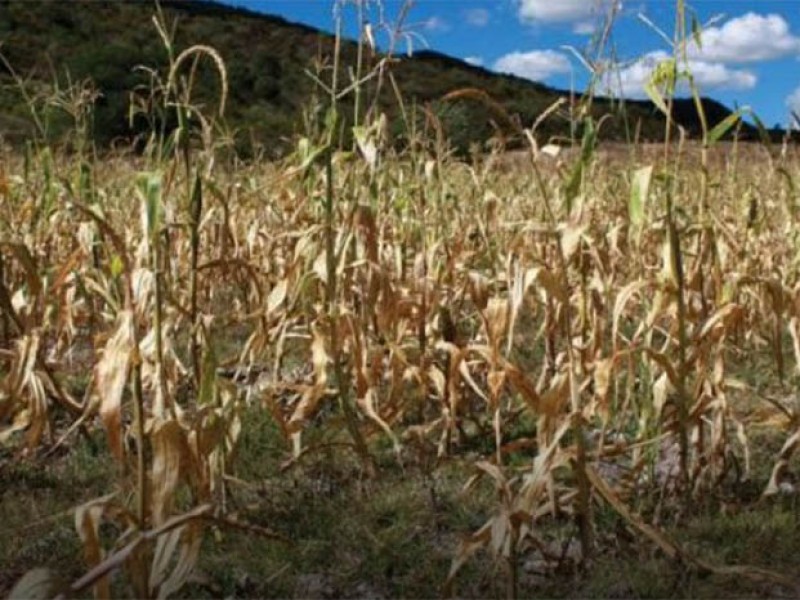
<point>553,12</point>
<point>629,81</point>
<point>477,17</point>
<point>475,61</point>
<point>749,38</point>
<point>556,11</point>
<point>536,64</point>
<point>710,75</point>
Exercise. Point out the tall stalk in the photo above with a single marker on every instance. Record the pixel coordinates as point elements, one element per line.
<point>343,388</point>
<point>195,212</point>
<point>676,257</point>
<point>583,513</point>
<point>138,417</point>
<point>151,191</point>
<point>5,304</point>
<point>158,319</point>
<point>351,418</point>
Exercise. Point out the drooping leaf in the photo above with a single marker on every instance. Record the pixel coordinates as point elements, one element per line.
<point>366,144</point>
<point>640,191</point>
<point>663,76</point>
<point>188,551</point>
<point>111,374</point>
<point>277,296</point>
<point>87,523</point>
<point>167,442</point>
<point>721,128</point>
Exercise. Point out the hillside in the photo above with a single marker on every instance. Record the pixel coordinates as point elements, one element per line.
<point>50,41</point>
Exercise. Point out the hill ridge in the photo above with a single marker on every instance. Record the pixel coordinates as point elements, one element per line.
<point>266,56</point>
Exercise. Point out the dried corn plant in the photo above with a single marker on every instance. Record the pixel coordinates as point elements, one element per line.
<point>385,293</point>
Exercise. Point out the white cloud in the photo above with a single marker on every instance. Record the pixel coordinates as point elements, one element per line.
<point>535,65</point>
<point>629,81</point>
<point>714,75</point>
<point>436,25</point>
<point>477,17</point>
<point>584,28</point>
<point>475,61</point>
<point>560,11</point>
<point>749,38</point>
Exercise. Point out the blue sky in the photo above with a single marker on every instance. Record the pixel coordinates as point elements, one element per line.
<point>750,53</point>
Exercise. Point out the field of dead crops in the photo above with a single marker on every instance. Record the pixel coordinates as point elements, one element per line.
<point>372,373</point>
<point>579,348</point>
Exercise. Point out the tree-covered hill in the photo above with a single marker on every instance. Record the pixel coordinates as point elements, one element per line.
<point>49,43</point>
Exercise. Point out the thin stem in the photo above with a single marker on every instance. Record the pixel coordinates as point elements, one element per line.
<point>161,396</point>
<point>195,209</point>
<point>138,415</point>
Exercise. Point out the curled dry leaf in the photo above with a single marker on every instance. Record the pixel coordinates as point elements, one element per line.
<point>496,319</point>
<point>179,550</point>
<point>168,443</point>
<point>277,296</point>
<point>556,396</point>
<point>111,373</point>
<point>27,388</point>
<point>549,281</point>
<point>571,236</point>
<point>602,374</point>
<point>781,465</point>
<point>367,404</point>
<point>496,381</point>
<point>537,481</point>
<point>313,393</point>
<point>478,286</point>
<point>525,388</point>
<point>723,320</point>
<point>623,297</point>
<point>87,522</point>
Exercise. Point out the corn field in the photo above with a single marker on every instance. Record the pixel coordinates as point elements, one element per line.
<point>634,310</point>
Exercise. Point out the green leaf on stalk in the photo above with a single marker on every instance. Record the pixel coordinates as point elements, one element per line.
<point>721,128</point>
<point>149,185</point>
<point>117,267</point>
<point>308,154</point>
<point>588,145</point>
<point>640,190</point>
<point>663,75</point>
